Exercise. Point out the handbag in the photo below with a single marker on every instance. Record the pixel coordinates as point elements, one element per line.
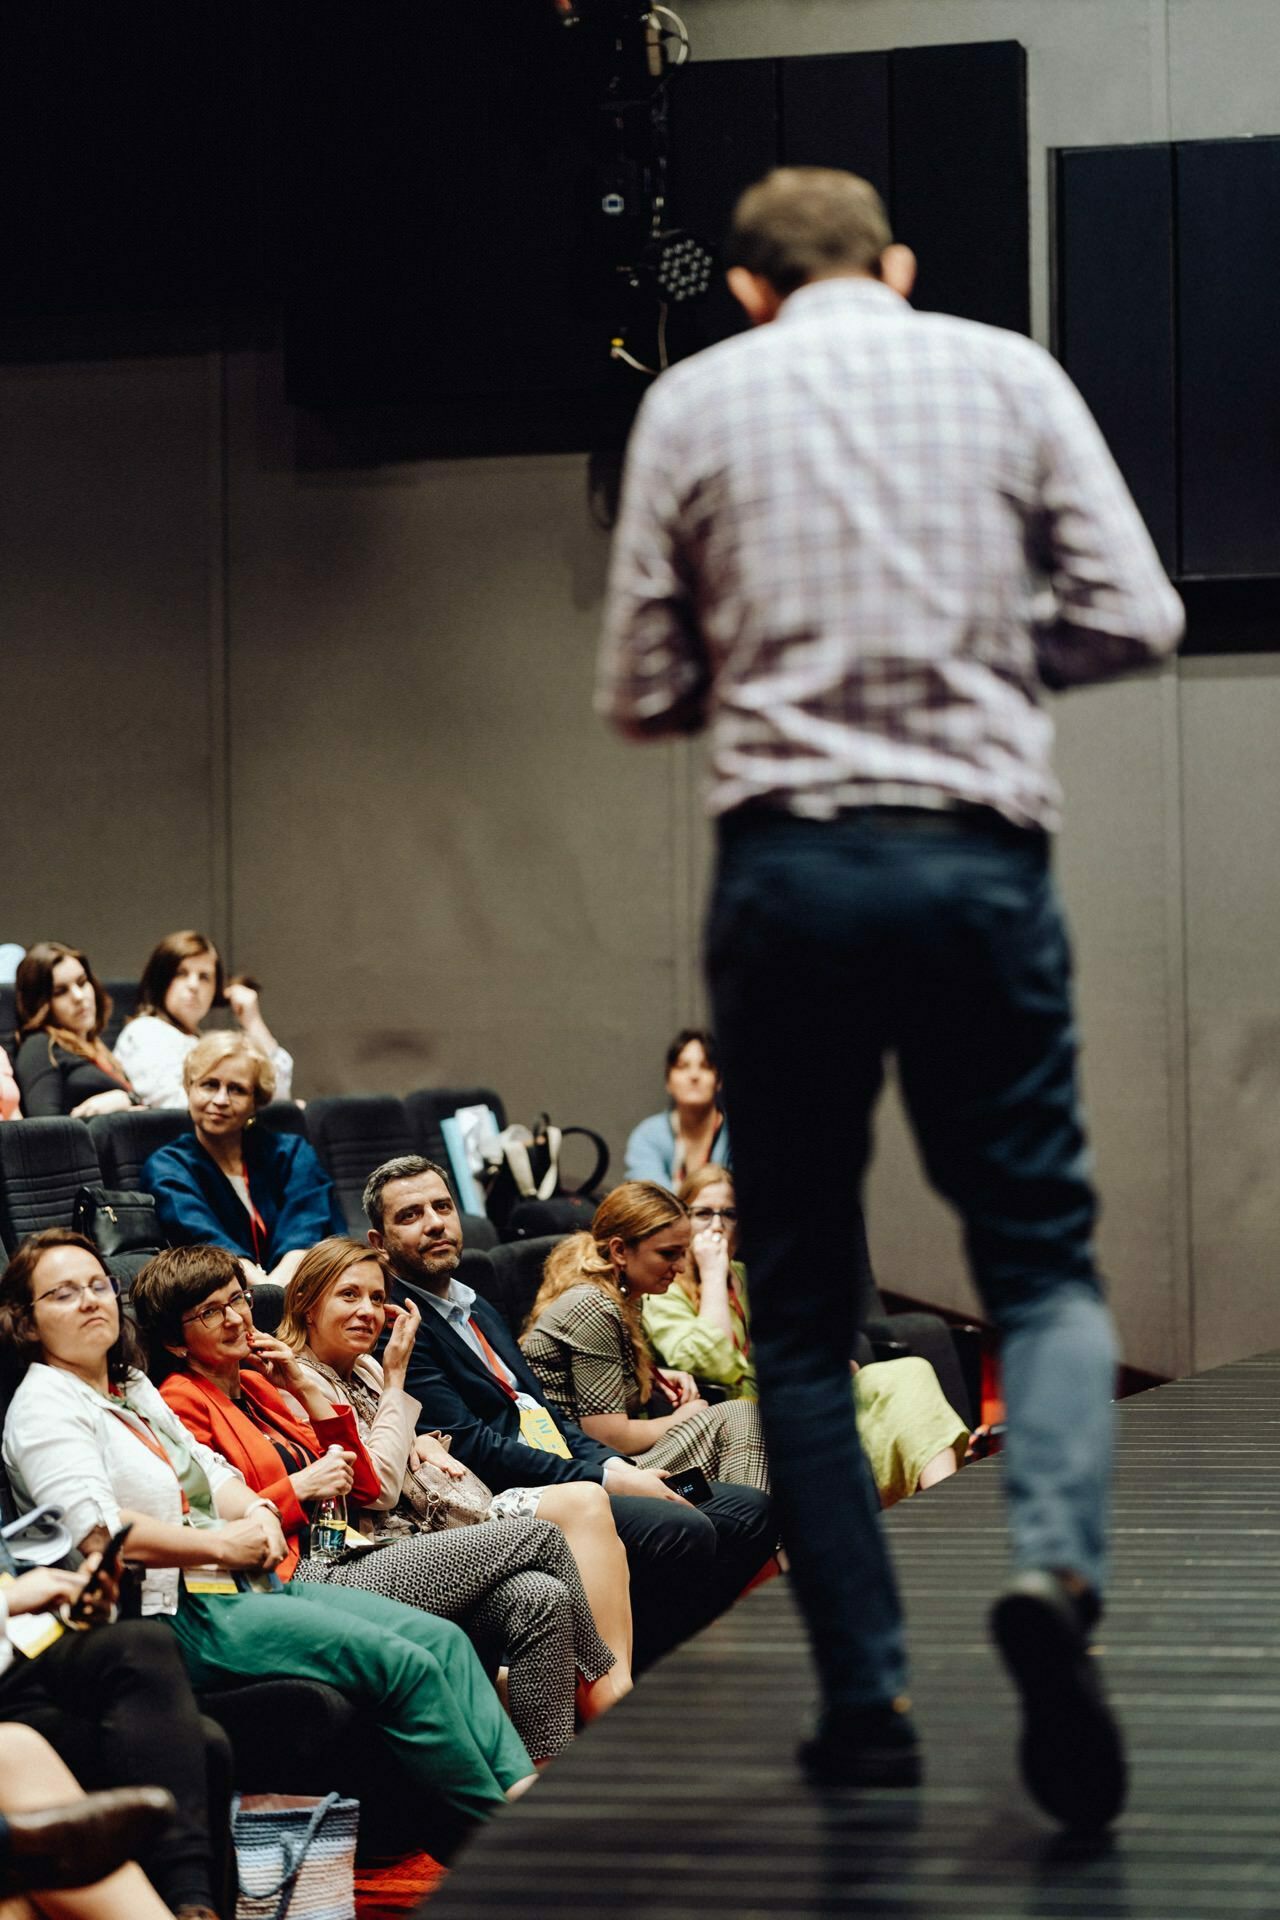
<point>117,1222</point>
<point>295,1856</point>
<point>522,1165</point>
<point>441,1502</point>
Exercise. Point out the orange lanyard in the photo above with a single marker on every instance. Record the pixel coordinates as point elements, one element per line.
<point>148,1439</point>
<point>494,1362</point>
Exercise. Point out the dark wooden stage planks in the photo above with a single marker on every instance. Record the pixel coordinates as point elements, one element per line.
<point>684,1803</point>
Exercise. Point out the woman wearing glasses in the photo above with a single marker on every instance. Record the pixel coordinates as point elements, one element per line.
<point>910,1434</point>
<point>512,1584</point>
<point>230,1183</point>
<point>86,1431</point>
<point>585,1340</point>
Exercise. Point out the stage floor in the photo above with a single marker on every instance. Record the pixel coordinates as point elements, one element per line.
<point>684,1804</point>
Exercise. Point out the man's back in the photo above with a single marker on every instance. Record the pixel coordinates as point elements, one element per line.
<point>840,523</point>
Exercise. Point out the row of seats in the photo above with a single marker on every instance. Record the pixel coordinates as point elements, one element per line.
<point>44,1162</point>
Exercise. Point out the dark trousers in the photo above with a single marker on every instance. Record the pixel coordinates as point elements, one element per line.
<point>689,1563</point>
<point>116,1705</point>
<point>937,938</point>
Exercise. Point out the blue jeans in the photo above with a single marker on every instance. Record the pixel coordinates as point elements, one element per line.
<point>937,938</point>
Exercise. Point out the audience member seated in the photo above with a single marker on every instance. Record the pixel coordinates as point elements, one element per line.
<point>693,1132</point>
<point>911,1435</point>
<point>10,1097</point>
<point>229,1183</point>
<point>471,1380</point>
<point>71,1850</point>
<point>585,1341</point>
<point>86,1431</point>
<point>181,984</point>
<point>62,1065</point>
<point>116,1706</point>
<point>513,1586</point>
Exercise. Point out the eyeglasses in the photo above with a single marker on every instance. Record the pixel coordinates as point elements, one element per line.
<point>729,1215</point>
<point>213,1317</point>
<point>70,1293</point>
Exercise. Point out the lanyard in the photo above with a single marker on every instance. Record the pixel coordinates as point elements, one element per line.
<point>143,1433</point>
<point>495,1365</point>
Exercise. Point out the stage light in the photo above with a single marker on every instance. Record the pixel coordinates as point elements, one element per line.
<point>681,265</point>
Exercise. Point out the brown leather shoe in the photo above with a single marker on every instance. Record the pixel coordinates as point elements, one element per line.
<point>83,1841</point>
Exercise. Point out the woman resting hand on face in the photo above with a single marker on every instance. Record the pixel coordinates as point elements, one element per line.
<point>512,1586</point>
<point>63,1065</point>
<point>261,1194</point>
<point>181,984</point>
<point>334,1314</point>
<point>88,1432</point>
<point>586,1342</point>
<point>910,1433</point>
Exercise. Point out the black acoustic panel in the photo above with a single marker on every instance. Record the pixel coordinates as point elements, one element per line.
<point>1228,359</point>
<point>959,198</point>
<point>440,207</point>
<point>835,113</point>
<point>132,188</point>
<point>724,135</point>
<point>1115,314</point>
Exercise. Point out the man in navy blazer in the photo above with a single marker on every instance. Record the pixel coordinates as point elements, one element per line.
<point>687,1563</point>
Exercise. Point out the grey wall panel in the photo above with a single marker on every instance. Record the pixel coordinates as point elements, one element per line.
<point>1231,719</point>
<point>108,604</point>
<point>445,868</point>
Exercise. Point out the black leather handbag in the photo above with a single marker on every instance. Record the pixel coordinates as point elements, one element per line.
<point>525,1193</point>
<point>117,1222</point>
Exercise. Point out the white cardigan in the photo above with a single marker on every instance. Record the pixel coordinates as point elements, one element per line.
<point>66,1445</point>
<point>153,1053</point>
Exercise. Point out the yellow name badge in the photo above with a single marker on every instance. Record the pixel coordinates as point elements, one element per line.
<point>538,1429</point>
<point>32,1633</point>
<point>208,1580</point>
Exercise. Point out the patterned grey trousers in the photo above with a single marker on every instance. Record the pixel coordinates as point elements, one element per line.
<point>513,1586</point>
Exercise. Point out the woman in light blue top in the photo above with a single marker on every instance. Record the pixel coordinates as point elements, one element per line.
<point>693,1133</point>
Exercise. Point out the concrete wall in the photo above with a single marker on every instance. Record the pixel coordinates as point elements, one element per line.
<point>343,721</point>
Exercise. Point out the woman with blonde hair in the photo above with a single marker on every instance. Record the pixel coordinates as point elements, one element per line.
<point>910,1433</point>
<point>335,1310</point>
<point>261,1194</point>
<point>63,1065</point>
<point>585,1340</point>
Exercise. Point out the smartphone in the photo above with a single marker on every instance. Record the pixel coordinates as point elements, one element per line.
<point>692,1484</point>
<point>80,1612</point>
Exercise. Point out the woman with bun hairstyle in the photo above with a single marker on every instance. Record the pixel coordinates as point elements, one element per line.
<point>63,1065</point>
<point>181,984</point>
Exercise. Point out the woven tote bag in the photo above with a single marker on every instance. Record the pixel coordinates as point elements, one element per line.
<point>295,1856</point>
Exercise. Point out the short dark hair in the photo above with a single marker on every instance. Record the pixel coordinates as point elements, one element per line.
<point>807,223</point>
<point>19,1342</point>
<point>406,1166</point>
<point>169,1287</point>
<point>162,966</point>
<point>685,1038</point>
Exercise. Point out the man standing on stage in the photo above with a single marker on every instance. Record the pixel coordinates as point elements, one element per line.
<point>857,543</point>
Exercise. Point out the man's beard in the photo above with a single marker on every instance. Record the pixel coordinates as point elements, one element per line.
<point>434,1261</point>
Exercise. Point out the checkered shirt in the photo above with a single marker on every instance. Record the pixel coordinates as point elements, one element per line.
<point>857,544</point>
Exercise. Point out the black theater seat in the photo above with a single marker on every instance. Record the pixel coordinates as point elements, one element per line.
<point>354,1133</point>
<point>42,1163</point>
<point>430,1105</point>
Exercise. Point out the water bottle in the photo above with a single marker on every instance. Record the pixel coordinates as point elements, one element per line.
<point>329,1524</point>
